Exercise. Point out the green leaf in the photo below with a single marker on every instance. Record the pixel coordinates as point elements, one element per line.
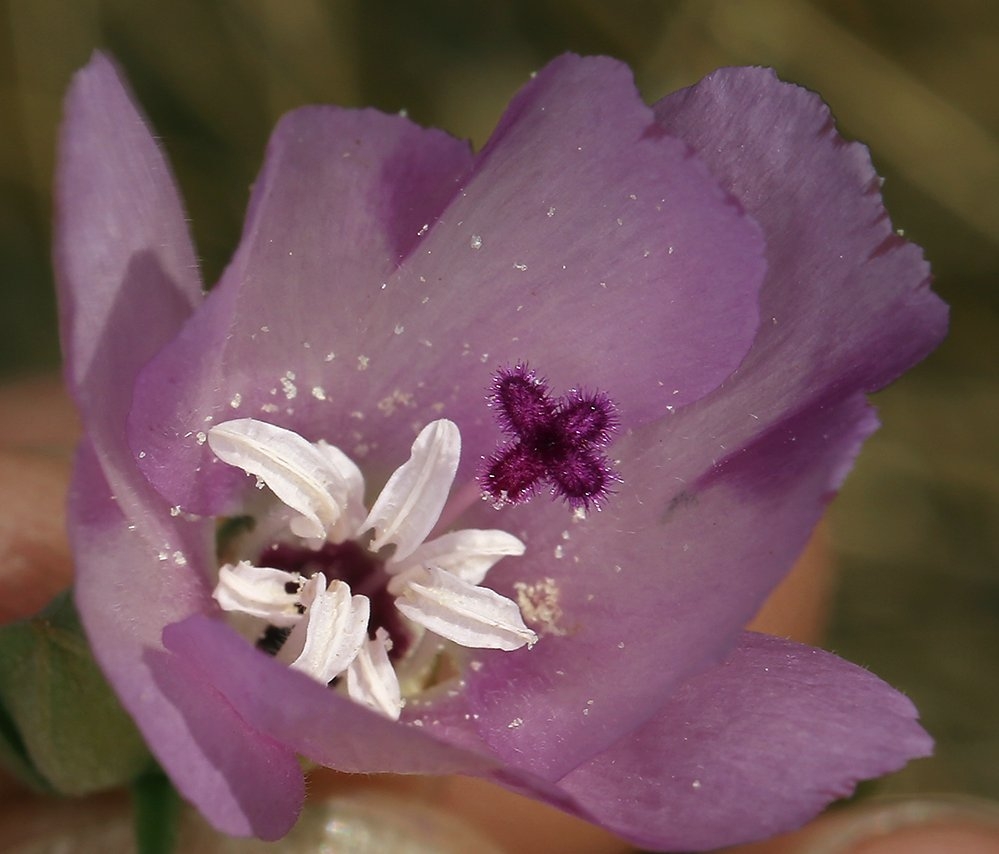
<point>61,726</point>
<point>157,811</point>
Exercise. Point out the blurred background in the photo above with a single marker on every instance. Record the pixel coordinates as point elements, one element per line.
<point>916,530</point>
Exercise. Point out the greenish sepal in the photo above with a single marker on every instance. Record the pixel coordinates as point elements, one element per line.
<point>62,728</point>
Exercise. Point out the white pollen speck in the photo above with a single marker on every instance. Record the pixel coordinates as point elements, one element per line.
<point>565,535</point>
<point>289,387</point>
<point>426,342</point>
<point>399,329</point>
<point>424,301</point>
<point>696,784</point>
<point>269,407</point>
<point>179,559</point>
<point>520,267</point>
<point>162,555</point>
<point>388,404</point>
<point>306,345</point>
<point>423,230</point>
<point>620,645</point>
<point>633,197</point>
<point>538,602</point>
<point>551,211</point>
<point>201,437</point>
<point>265,329</point>
<point>579,514</point>
<point>237,399</point>
<point>669,250</point>
<point>318,392</point>
<point>175,510</point>
<point>617,567</point>
<point>586,711</point>
<point>142,455</point>
<point>476,241</point>
<point>516,722</point>
<point>475,665</point>
<point>559,551</point>
<point>620,221</point>
<point>363,362</point>
<point>646,253</point>
<point>357,415</point>
<point>423,279</point>
<point>329,357</point>
<point>589,702</point>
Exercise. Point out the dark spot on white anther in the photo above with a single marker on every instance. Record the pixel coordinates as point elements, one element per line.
<point>273,639</point>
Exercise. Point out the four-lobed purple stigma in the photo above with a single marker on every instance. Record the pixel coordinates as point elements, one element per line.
<point>555,441</point>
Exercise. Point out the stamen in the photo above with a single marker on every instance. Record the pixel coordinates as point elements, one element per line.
<point>270,594</point>
<point>462,612</point>
<point>412,500</point>
<point>334,599</point>
<point>325,643</point>
<point>371,679</point>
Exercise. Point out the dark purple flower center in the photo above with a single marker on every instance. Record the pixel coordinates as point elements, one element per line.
<point>362,571</point>
<point>558,442</point>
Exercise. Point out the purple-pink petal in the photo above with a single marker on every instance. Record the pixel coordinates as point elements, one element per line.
<point>846,304</point>
<point>119,218</point>
<point>287,332</point>
<point>581,235</point>
<point>655,587</point>
<point>128,586</point>
<point>753,747</point>
<point>717,500</point>
<point>308,717</point>
<point>125,266</point>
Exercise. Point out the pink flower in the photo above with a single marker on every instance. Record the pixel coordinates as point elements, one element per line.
<point>719,266</point>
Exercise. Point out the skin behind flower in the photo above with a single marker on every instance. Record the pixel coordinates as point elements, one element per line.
<point>590,242</point>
